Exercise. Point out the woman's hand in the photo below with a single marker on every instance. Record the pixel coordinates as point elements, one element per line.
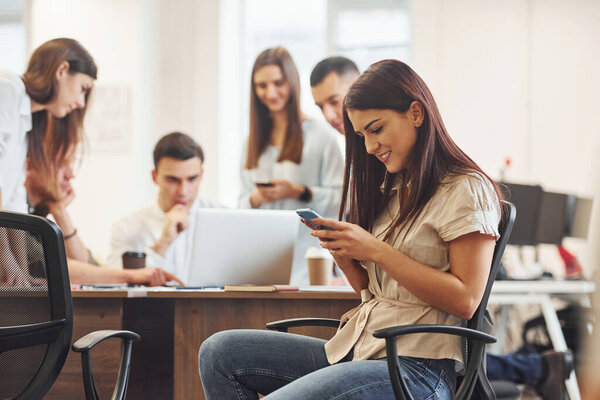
<point>60,205</point>
<point>281,189</point>
<point>355,273</point>
<point>350,241</point>
<point>339,245</point>
<point>150,276</point>
<point>346,264</point>
<point>341,261</point>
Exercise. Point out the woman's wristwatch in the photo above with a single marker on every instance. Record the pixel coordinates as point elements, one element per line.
<point>306,195</point>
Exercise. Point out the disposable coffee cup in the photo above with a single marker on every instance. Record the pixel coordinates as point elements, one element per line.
<point>320,266</point>
<point>134,259</point>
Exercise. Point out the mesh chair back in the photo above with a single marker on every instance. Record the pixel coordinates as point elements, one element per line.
<point>509,213</point>
<point>481,321</point>
<point>35,305</point>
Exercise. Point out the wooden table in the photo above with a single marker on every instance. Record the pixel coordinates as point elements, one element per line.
<point>173,324</point>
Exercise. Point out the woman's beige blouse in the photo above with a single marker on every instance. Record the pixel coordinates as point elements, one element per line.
<point>461,205</point>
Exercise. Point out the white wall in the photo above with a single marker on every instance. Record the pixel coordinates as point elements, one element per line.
<point>566,93</point>
<point>515,78</point>
<point>518,79</point>
<point>473,56</point>
<point>187,83</point>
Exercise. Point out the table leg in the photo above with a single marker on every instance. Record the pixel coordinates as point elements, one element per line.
<point>558,341</point>
<point>501,327</point>
<point>554,330</point>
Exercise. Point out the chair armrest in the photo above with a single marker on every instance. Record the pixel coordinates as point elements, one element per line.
<point>284,324</point>
<point>13,337</point>
<point>86,343</point>
<point>401,392</point>
<point>426,328</point>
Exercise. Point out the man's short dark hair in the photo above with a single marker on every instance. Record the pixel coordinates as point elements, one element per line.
<point>177,145</point>
<point>339,65</point>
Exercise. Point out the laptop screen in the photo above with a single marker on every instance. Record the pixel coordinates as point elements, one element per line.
<point>242,247</point>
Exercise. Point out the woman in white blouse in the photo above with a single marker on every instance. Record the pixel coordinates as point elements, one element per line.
<point>41,119</point>
<point>418,248</point>
<point>289,161</point>
<point>49,100</point>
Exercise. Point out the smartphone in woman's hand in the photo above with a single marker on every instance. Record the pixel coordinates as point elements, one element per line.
<point>264,184</point>
<point>307,214</point>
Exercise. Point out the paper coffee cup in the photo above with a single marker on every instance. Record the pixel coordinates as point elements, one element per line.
<point>320,266</point>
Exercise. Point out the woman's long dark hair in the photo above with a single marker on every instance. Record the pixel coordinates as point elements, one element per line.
<point>51,138</point>
<point>261,123</point>
<point>393,85</point>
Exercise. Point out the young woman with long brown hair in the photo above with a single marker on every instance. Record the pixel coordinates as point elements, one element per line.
<point>289,161</point>
<point>44,107</point>
<point>418,248</point>
<point>41,121</point>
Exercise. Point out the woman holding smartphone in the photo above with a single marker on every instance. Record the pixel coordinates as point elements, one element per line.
<point>289,161</point>
<point>418,248</point>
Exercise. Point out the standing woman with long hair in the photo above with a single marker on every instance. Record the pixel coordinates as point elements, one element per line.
<point>289,161</point>
<point>44,107</point>
<point>41,121</point>
<point>418,248</point>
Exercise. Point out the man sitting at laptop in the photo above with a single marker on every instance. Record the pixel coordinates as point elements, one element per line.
<point>164,228</point>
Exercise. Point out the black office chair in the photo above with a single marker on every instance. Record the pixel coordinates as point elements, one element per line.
<point>36,312</point>
<point>474,383</point>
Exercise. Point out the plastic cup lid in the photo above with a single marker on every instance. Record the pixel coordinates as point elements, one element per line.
<point>317,252</point>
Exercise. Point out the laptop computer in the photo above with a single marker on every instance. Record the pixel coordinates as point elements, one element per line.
<point>242,247</point>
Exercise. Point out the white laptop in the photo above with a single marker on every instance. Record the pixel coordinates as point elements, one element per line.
<point>242,247</point>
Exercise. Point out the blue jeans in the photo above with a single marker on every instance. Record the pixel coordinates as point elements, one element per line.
<point>518,368</point>
<point>238,364</point>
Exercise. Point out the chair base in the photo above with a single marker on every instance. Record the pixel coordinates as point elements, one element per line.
<point>505,390</point>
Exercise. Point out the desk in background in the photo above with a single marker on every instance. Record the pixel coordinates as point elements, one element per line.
<point>173,324</point>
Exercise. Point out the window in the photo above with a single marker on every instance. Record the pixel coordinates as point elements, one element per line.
<point>12,36</point>
<point>364,31</point>
<point>314,29</point>
<point>300,27</point>
<point>369,31</point>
